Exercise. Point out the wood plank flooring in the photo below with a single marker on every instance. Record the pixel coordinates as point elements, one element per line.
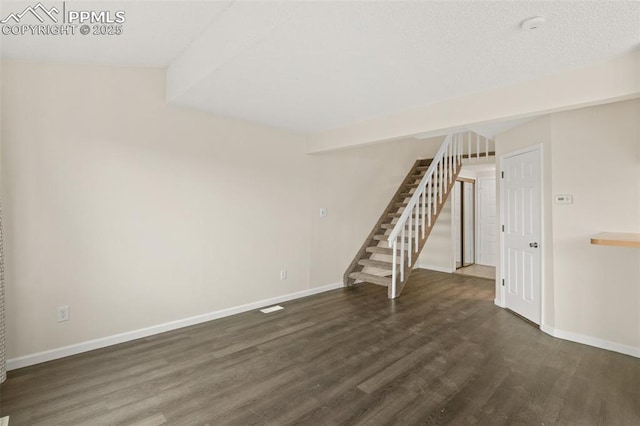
<point>440,354</point>
<point>480,271</point>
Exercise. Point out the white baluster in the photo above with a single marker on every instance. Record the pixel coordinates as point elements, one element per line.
<point>424,210</point>
<point>416,232</point>
<point>442,185</point>
<point>477,147</point>
<point>429,192</point>
<point>449,164</point>
<point>444,163</point>
<point>436,195</point>
<point>469,145</point>
<point>394,267</point>
<point>438,182</point>
<point>455,152</point>
<point>410,242</point>
<point>450,160</point>
<point>447,159</point>
<point>402,245</point>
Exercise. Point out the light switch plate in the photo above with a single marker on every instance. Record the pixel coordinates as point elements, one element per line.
<point>564,199</point>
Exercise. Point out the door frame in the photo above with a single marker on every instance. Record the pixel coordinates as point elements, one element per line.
<point>500,298</point>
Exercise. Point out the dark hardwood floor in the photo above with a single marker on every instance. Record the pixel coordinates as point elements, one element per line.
<point>440,354</point>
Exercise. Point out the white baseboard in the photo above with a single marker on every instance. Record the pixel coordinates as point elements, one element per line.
<point>436,268</point>
<point>498,302</point>
<point>592,341</point>
<point>40,357</point>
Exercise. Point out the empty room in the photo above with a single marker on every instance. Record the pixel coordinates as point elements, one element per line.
<point>319,213</point>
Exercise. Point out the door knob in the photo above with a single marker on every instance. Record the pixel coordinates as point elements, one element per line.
<point>534,245</point>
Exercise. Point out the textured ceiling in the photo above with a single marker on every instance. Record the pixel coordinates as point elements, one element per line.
<point>313,66</point>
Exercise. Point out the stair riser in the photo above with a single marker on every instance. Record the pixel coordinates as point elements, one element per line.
<point>370,278</point>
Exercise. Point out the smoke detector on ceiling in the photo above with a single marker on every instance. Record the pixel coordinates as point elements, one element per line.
<point>532,23</point>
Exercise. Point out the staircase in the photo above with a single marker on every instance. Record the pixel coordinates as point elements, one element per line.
<point>390,250</point>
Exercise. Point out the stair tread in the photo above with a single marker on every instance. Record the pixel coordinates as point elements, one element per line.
<point>382,237</point>
<point>370,278</point>
<point>410,194</point>
<point>398,205</point>
<point>379,250</point>
<point>381,264</point>
<point>392,225</point>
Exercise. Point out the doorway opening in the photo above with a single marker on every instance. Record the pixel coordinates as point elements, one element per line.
<point>464,199</point>
<point>475,221</point>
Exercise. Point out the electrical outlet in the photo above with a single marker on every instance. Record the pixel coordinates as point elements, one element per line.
<point>63,313</point>
<point>283,274</point>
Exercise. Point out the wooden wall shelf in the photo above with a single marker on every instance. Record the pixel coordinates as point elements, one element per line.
<point>619,239</point>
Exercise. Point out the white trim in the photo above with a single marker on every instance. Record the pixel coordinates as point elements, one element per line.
<point>500,270</point>
<point>37,358</point>
<point>592,341</point>
<point>476,218</point>
<point>436,268</point>
<point>498,302</point>
<point>452,226</point>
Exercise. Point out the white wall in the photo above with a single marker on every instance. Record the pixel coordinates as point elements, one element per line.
<point>591,293</point>
<point>134,213</point>
<point>596,158</point>
<point>438,251</point>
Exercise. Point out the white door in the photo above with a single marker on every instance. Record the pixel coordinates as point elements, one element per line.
<point>522,230</point>
<point>487,221</point>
